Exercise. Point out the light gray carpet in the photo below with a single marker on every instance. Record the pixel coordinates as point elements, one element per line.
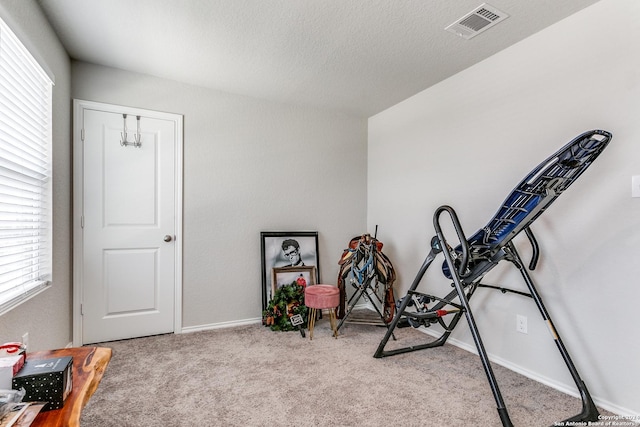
<point>251,376</point>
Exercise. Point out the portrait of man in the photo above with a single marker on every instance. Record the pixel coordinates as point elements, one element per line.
<point>287,249</point>
<point>291,250</point>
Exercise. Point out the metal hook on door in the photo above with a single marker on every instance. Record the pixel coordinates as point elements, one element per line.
<point>137,140</point>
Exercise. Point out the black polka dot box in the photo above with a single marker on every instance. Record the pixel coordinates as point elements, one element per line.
<point>46,380</point>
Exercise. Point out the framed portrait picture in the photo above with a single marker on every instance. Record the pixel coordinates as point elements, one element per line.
<point>287,249</point>
<point>281,276</point>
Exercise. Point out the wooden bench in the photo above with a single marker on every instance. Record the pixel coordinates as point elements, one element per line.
<point>89,364</point>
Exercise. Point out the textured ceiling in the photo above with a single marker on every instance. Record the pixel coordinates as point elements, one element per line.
<point>354,56</point>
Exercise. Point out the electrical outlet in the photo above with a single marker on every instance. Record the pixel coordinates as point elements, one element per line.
<point>521,324</point>
<point>25,340</point>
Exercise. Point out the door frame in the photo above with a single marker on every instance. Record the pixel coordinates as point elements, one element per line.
<point>79,106</point>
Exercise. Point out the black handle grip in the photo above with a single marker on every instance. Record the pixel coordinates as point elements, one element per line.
<point>464,244</point>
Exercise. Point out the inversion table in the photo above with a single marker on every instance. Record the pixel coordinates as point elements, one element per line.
<point>467,263</point>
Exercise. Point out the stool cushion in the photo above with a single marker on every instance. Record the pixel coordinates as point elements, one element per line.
<point>321,296</point>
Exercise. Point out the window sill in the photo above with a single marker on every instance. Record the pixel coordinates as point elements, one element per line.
<point>18,300</point>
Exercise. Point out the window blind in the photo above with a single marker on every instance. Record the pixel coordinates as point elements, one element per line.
<point>25,173</point>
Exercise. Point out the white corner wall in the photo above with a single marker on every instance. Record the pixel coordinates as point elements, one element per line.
<point>468,140</point>
<point>250,165</point>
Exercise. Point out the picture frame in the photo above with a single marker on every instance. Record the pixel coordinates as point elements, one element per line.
<point>273,255</point>
<point>281,276</point>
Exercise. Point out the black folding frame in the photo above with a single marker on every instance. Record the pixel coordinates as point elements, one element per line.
<point>473,257</point>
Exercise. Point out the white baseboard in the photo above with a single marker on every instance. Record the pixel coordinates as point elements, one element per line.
<point>220,325</point>
<point>570,390</point>
<point>243,322</point>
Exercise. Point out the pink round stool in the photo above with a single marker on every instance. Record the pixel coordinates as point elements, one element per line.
<point>318,297</point>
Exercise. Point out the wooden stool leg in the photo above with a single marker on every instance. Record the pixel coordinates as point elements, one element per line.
<point>311,322</point>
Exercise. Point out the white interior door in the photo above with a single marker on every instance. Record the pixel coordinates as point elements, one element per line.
<point>129,225</point>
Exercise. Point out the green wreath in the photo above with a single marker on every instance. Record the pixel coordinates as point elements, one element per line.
<point>286,303</point>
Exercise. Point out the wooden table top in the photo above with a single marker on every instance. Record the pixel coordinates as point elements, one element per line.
<point>89,364</point>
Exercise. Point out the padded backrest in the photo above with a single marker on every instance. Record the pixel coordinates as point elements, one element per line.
<point>540,188</point>
<point>530,198</point>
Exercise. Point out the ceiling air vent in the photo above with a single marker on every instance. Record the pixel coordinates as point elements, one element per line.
<point>481,19</point>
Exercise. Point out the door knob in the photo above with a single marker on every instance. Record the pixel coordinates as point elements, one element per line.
<point>168,238</point>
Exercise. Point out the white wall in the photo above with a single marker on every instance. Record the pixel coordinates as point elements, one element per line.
<point>47,316</point>
<point>468,140</point>
<point>249,166</point>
